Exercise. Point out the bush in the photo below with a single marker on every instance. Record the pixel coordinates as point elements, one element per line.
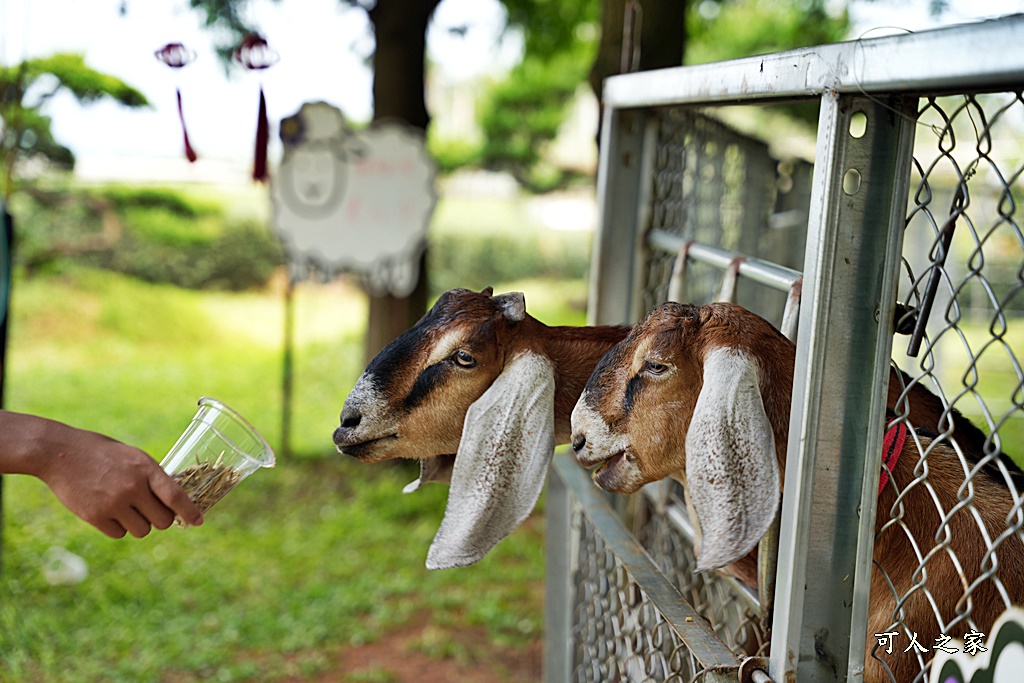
<point>162,226</point>
<point>157,235</point>
<point>479,259</point>
<point>157,198</point>
<point>242,256</point>
<point>51,227</point>
<point>164,236</point>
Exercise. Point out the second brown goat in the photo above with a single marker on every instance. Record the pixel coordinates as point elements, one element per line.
<point>702,395</point>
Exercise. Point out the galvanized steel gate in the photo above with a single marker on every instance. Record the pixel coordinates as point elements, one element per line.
<point>917,177</point>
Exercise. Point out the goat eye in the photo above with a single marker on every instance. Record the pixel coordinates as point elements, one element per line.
<point>463,359</point>
<point>655,368</point>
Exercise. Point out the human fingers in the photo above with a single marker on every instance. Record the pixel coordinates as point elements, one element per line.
<point>175,498</point>
<point>111,528</point>
<point>137,525</point>
<point>154,511</point>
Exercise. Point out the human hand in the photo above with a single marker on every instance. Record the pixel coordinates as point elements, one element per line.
<point>115,487</point>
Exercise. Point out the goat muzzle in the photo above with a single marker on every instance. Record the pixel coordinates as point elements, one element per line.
<point>366,449</point>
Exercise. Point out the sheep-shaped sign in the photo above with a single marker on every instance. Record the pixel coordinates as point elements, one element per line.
<point>353,200</point>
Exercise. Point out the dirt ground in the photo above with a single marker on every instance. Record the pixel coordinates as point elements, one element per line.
<point>398,657</point>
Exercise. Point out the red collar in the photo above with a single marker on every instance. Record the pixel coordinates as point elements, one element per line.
<point>892,445</point>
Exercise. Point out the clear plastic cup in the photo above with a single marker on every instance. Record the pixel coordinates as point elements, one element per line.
<point>215,453</point>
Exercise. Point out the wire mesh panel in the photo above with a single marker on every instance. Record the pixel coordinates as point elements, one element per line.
<point>618,632</point>
<point>716,186</point>
<point>963,269</point>
<point>729,607</point>
<point>863,595</point>
<point>628,622</point>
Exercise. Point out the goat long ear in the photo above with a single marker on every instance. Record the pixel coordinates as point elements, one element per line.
<point>506,447</point>
<point>732,473</point>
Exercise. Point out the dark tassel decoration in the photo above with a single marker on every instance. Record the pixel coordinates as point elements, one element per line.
<point>259,166</point>
<point>190,153</point>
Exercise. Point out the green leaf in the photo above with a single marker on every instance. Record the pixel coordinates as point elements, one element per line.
<point>26,87</point>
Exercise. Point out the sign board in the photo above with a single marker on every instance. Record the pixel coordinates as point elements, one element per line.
<point>353,200</point>
<point>996,657</point>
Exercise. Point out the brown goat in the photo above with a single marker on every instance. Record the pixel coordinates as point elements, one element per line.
<point>702,394</point>
<point>480,392</point>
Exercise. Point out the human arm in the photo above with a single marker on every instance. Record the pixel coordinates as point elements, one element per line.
<point>115,487</point>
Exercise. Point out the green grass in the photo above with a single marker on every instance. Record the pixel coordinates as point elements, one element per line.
<point>315,555</point>
<point>298,561</point>
<point>989,383</point>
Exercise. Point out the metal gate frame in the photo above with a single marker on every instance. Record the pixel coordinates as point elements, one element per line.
<point>851,263</point>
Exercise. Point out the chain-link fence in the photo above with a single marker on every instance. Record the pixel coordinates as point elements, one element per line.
<point>963,270</point>
<point>913,200</point>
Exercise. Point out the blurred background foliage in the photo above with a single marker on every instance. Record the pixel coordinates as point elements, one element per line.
<point>25,131</point>
<point>171,236</point>
<point>524,111</point>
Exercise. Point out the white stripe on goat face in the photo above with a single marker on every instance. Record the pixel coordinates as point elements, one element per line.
<point>600,442</point>
<point>366,397</point>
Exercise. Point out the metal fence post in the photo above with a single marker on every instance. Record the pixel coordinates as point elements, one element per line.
<point>558,585</point>
<point>843,347</point>
<point>616,262</point>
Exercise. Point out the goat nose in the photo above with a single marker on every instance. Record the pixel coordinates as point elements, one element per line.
<point>578,442</point>
<point>350,418</point>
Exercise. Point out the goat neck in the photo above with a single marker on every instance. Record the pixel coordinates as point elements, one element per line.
<point>574,351</point>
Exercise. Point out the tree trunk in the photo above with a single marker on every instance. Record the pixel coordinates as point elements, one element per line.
<point>399,64</point>
<point>662,39</point>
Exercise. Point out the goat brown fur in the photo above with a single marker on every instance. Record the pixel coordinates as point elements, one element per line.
<point>645,391</point>
<point>422,387</point>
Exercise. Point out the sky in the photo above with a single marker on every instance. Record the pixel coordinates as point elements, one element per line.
<point>323,47</point>
<point>322,57</point>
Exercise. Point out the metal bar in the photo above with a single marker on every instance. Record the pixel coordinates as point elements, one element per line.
<point>288,367</point>
<point>888,64</point>
<point>835,435</point>
<point>900,170</point>
<point>763,272</point>
<point>694,632</point>
<point>924,310</point>
<point>680,521</point>
<point>677,283</point>
<point>768,548</point>
<point>732,273</point>
<point>614,268</point>
<point>791,314</point>
<point>557,582</point>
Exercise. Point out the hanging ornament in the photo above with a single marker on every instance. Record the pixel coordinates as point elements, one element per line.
<point>255,55</point>
<point>176,56</point>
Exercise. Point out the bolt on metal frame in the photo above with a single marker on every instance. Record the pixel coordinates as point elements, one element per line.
<point>851,267</point>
